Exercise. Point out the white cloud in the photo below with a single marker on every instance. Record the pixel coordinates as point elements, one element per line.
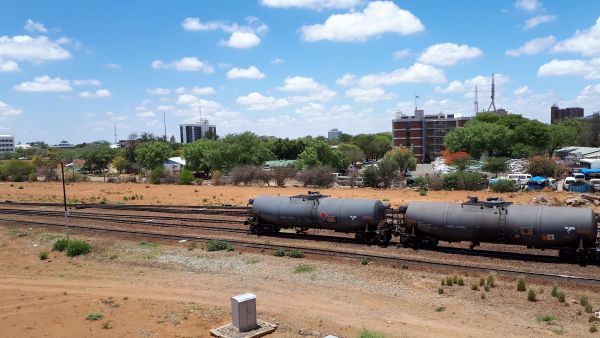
<point>44,84</point>
<point>8,111</point>
<point>164,107</point>
<point>591,93</point>
<point>194,25</point>
<point>585,42</point>
<point>195,104</point>
<point>186,64</point>
<point>257,101</point>
<point>113,66</point>
<point>538,20</point>
<point>453,87</point>
<point>469,84</point>
<point>9,66</point>
<point>534,46</point>
<point>158,91</point>
<point>195,90</point>
<point>311,4</point>
<point>528,5</point>
<point>401,54</point>
<point>242,40</point>
<point>447,54</point>
<point>32,26</point>
<point>377,18</point>
<point>38,49</point>
<point>346,80</point>
<point>277,61</point>
<point>88,82</point>
<point>589,69</point>
<point>245,73</point>
<point>521,91</point>
<point>100,93</point>
<point>311,89</point>
<point>417,73</point>
<point>146,114</point>
<point>368,94</point>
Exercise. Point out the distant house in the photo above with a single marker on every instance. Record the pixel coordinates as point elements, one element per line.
<point>577,153</point>
<point>278,163</point>
<point>174,164</point>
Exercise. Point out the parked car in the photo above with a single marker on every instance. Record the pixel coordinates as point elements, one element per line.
<point>567,183</point>
<point>595,182</point>
<point>521,179</point>
<point>552,183</point>
<point>579,177</point>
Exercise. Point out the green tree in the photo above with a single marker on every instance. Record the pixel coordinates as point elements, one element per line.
<point>371,177</point>
<point>196,154</point>
<point>121,164</point>
<point>374,146</point>
<point>541,166</point>
<point>152,154</point>
<point>534,134</point>
<point>286,149</point>
<point>583,130</point>
<point>351,152</point>
<point>320,153</point>
<point>18,171</point>
<point>186,177</point>
<point>562,135</point>
<point>496,165</point>
<point>97,157</point>
<point>387,169</point>
<point>404,159</point>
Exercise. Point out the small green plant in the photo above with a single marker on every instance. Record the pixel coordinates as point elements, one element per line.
<point>217,245</point>
<point>78,247</point>
<point>455,279</point>
<point>481,281</point>
<point>43,255</point>
<point>491,281</point>
<point>532,295</point>
<point>440,309</point>
<point>107,325</point>
<point>113,256</point>
<point>449,281</point>
<point>295,253</point>
<point>558,330</point>
<point>593,328</point>
<point>588,308</point>
<point>584,300</point>
<point>364,333</point>
<point>303,268</point>
<point>422,192</point>
<point>443,281</point>
<point>460,281</point>
<point>483,296</point>
<point>94,316</point>
<point>365,261</point>
<point>60,245</point>
<point>554,292</point>
<point>440,291</point>
<point>560,296</point>
<point>486,287</point>
<point>521,284</point>
<point>474,287</point>
<point>404,267</point>
<point>192,246</point>
<point>279,253</point>
<point>149,244</point>
<point>545,318</point>
<point>593,319</point>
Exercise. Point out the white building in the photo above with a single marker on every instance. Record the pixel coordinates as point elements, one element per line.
<point>334,134</point>
<point>174,164</point>
<point>193,132</point>
<point>7,144</point>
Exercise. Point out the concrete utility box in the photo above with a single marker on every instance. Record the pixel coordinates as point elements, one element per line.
<point>243,312</point>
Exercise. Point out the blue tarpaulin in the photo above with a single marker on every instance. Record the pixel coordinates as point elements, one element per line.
<point>538,179</point>
<point>589,171</point>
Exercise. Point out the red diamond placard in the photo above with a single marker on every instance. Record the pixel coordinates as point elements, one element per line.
<point>323,215</point>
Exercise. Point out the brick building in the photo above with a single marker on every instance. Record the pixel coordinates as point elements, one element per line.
<point>424,133</point>
<point>557,114</point>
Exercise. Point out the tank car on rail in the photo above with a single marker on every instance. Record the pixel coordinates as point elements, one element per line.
<point>366,218</point>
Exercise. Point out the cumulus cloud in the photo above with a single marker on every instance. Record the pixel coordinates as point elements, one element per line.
<point>586,42</point>
<point>401,54</point>
<point>377,18</point>
<point>44,84</point>
<point>448,54</point>
<point>589,69</point>
<point>468,84</point>
<point>532,47</point>
<point>311,4</point>
<point>195,90</point>
<point>186,64</point>
<point>100,93</point>
<point>8,66</point>
<point>277,61</point>
<point>417,73</point>
<point>257,101</point>
<point>368,94</point>
<point>88,82</point>
<point>38,49</point>
<point>538,20</point>
<point>158,91</point>
<point>346,80</point>
<point>32,26</point>
<point>146,114</point>
<point>113,66</point>
<point>521,91</point>
<point>245,73</point>
<point>528,5</point>
<point>242,36</point>
<point>309,89</point>
<point>8,111</point>
<point>453,87</point>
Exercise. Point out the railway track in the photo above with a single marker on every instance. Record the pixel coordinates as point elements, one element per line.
<point>319,252</point>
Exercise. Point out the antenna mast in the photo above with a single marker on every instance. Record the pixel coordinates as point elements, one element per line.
<point>115,133</point>
<point>165,123</point>
<point>493,104</point>
<point>476,102</point>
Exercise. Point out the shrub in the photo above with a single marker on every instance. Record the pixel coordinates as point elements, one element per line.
<point>247,174</point>
<point>483,296</point>
<point>217,177</point>
<point>545,318</point>
<point>107,325</point>
<point>491,281</point>
<point>302,268</point>
<point>584,300</point>
<point>295,253</point>
<point>588,308</point>
<point>18,171</point>
<point>486,288</point>
<point>496,165</point>
<point>593,319</point>
<point>365,261</point>
<point>474,287</point>
<point>364,333</point>
<point>422,192</point>
<point>422,182</point>
<point>554,291</point>
<point>443,281</point>
<point>60,245</point>
<point>441,291</point>
<point>560,296</point>
<point>440,309</point>
<point>371,177</point>
<point>460,281</point>
<point>43,255</point>
<point>481,281</point>
<point>317,176</point>
<point>541,166</point>
<point>156,175</point>
<point>532,295</point>
<point>94,316</point>
<point>462,181</point>
<point>77,247</point>
<point>521,284</point>
<point>186,177</point>
<point>504,186</point>
<point>279,253</point>
<point>593,328</point>
<point>217,245</point>
<point>280,174</point>
<point>449,281</point>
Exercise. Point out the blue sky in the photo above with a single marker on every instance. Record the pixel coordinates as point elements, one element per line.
<point>72,69</point>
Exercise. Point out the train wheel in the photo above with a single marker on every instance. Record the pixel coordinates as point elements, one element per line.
<point>567,254</point>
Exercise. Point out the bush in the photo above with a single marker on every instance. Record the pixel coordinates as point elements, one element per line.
<point>474,287</point>
<point>422,192</point>
<point>280,174</point>
<point>365,261</point>
<point>186,177</point>
<point>589,308</point>
<point>279,253</point>
<point>371,177</point>
<point>491,281</point>
<point>156,175</point>
<point>460,281</point>
<point>77,247</point>
<point>60,245</point>
<point>554,291</point>
<point>94,316</point>
<point>422,182</point>
<point>302,268</point>
<point>496,165</point>
<point>249,174</point>
<point>217,177</point>
<point>440,309</point>
<point>532,295</point>
<point>462,181</point>
<point>504,186</point>
<point>440,291</point>
<point>584,300</point>
<point>43,255</point>
<point>317,176</point>
<point>521,284</point>
<point>18,171</point>
<point>560,296</point>
<point>449,281</point>
<point>364,333</point>
<point>483,296</point>
<point>295,253</point>
<point>593,328</point>
<point>217,245</point>
<point>486,287</point>
<point>541,166</point>
<point>545,318</point>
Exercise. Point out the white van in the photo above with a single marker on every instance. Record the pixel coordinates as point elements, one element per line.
<point>567,183</point>
<point>521,179</point>
<point>595,182</point>
<point>579,177</point>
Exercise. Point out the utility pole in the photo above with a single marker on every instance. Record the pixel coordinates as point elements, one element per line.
<point>476,102</point>
<point>115,133</point>
<point>165,123</point>
<point>493,96</point>
<point>62,170</point>
<point>416,97</point>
